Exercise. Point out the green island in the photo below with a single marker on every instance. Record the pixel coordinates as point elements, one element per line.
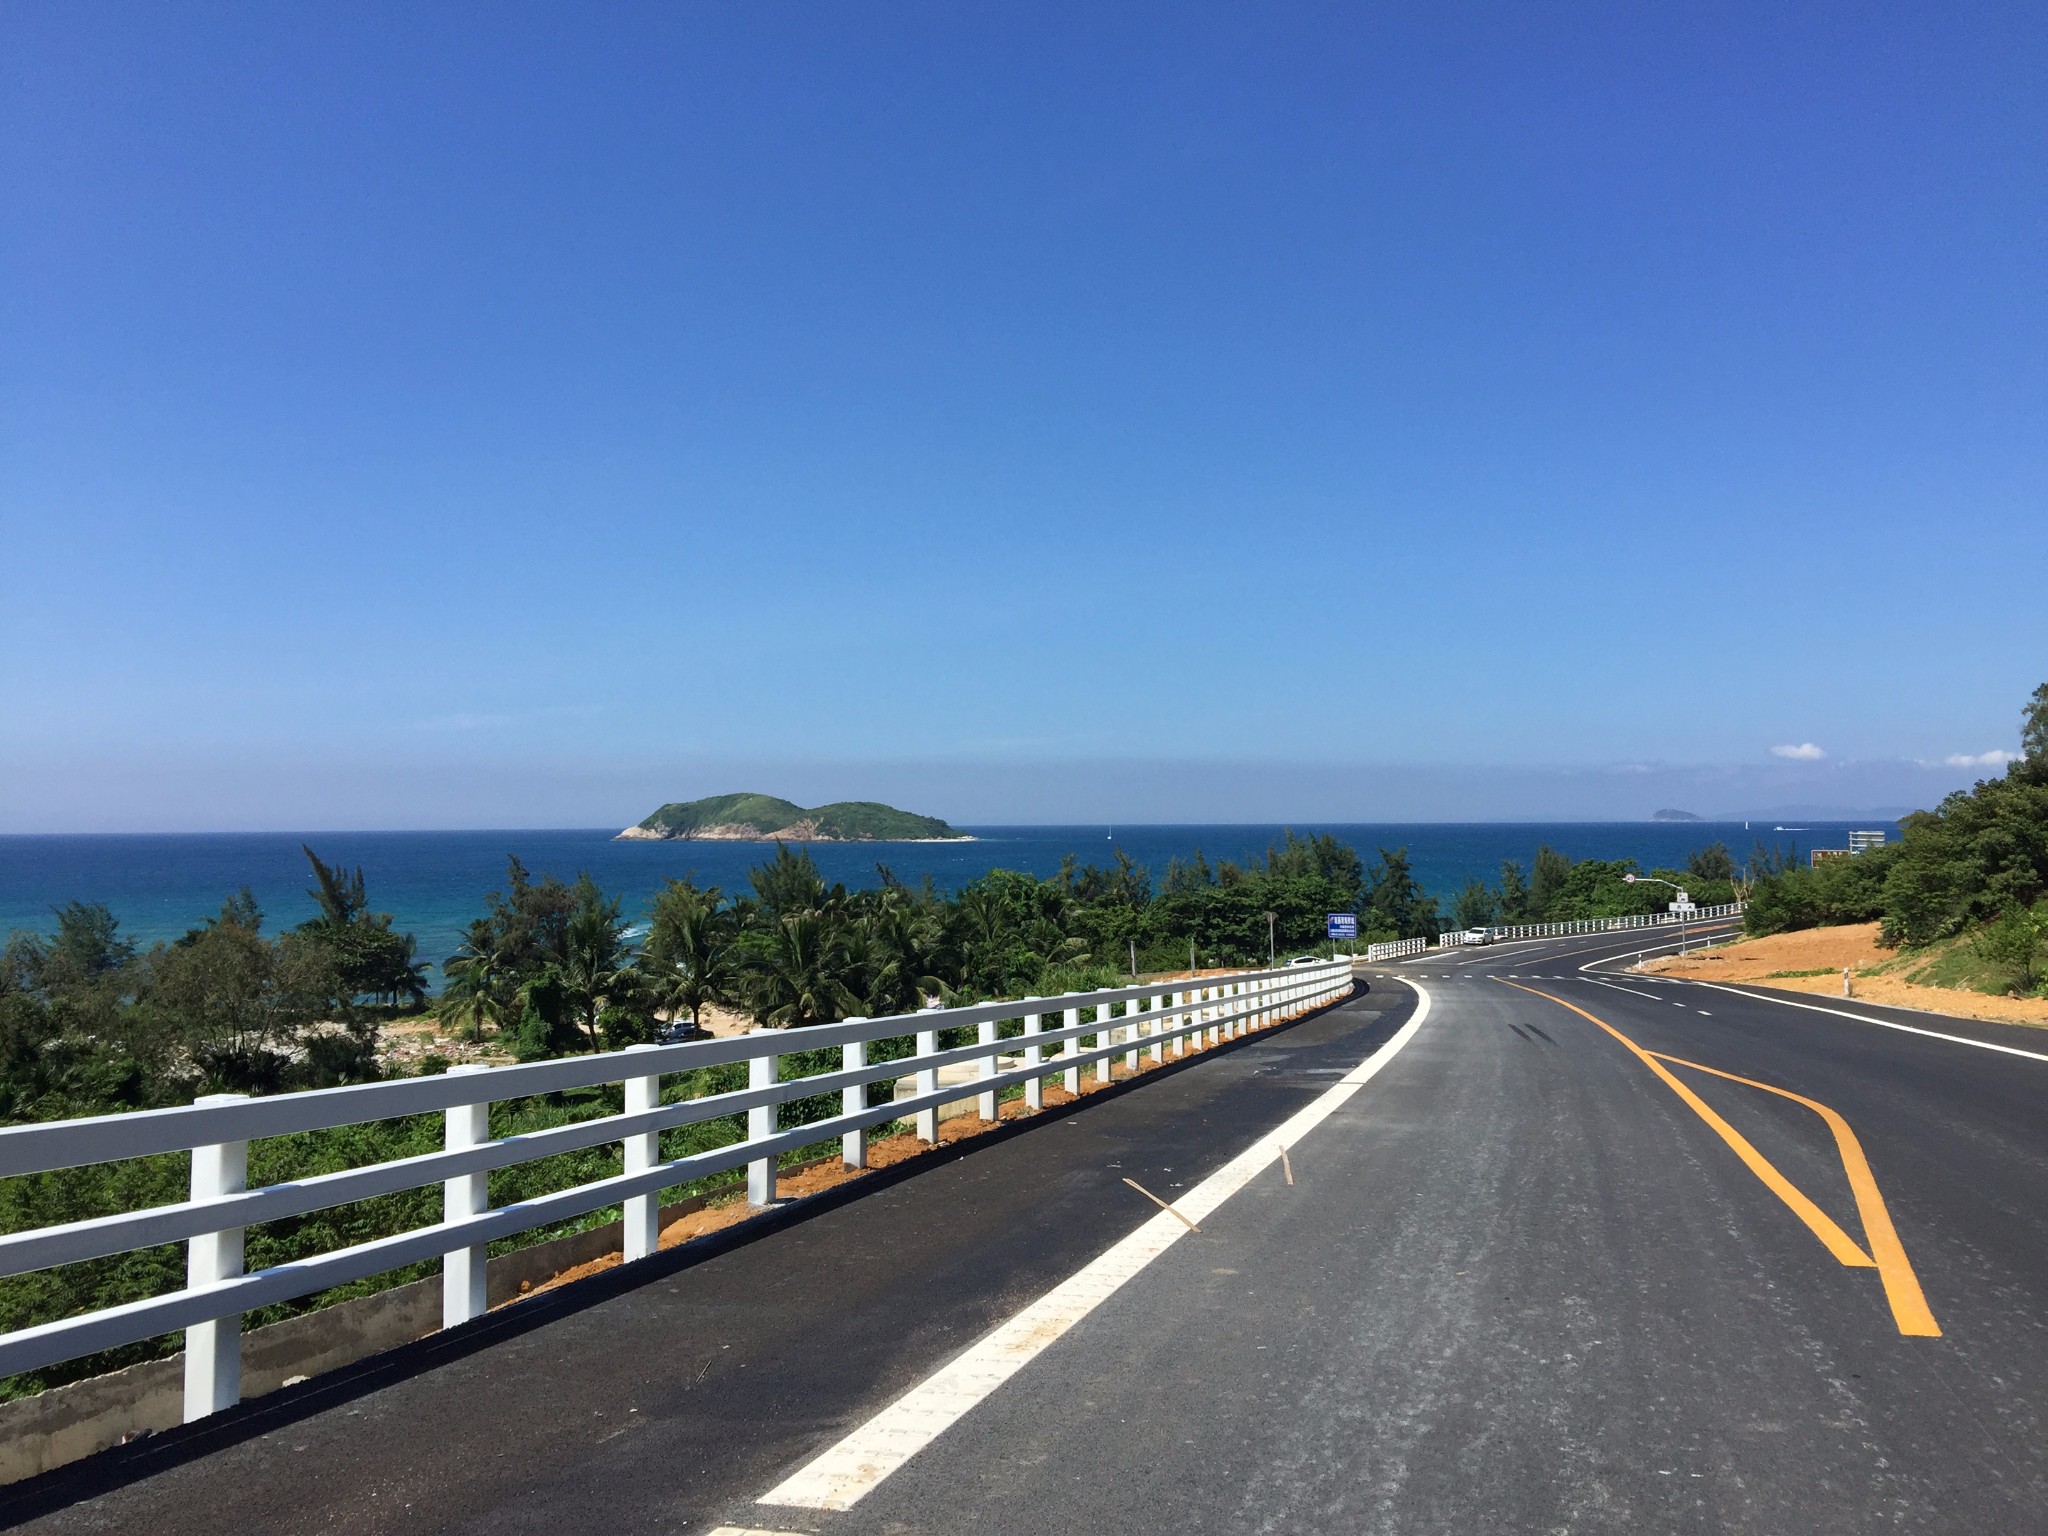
<point>755,818</point>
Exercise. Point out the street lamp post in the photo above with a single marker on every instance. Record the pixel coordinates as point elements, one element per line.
<point>1272,955</point>
<point>1681,906</point>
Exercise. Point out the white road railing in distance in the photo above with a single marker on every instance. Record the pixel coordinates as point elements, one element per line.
<point>1050,1034</point>
<point>1598,925</point>
<point>1395,949</point>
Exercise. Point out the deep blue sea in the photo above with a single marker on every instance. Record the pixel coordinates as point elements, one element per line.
<point>433,883</point>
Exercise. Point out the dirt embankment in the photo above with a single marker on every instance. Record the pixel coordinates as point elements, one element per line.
<point>1822,953</point>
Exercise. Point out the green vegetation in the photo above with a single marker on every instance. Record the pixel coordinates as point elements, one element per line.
<point>1967,883</point>
<point>1558,889</point>
<point>89,1026</point>
<point>767,818</point>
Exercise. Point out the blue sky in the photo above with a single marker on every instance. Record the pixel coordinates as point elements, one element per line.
<point>502,415</point>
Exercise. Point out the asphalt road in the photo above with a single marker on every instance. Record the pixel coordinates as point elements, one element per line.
<point>1526,1279</point>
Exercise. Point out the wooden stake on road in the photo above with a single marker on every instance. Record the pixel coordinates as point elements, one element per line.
<point>1176,1215</point>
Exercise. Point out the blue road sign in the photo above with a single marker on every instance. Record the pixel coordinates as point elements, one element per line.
<point>1343,925</point>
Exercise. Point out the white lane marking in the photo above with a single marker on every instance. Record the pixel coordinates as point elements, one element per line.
<point>839,1477</point>
<point>1703,1013</point>
<point>748,1530</point>
<point>1631,991</point>
<point>1865,1018</point>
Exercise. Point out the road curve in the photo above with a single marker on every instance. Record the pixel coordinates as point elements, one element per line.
<point>1591,1252</point>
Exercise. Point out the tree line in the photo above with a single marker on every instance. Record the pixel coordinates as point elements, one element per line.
<point>554,967</point>
<point>89,1022</point>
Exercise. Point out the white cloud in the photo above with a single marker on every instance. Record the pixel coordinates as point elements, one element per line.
<point>1805,752</point>
<point>1994,759</point>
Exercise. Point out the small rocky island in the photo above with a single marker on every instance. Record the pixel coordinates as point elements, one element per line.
<point>764,819</point>
<point>1668,815</point>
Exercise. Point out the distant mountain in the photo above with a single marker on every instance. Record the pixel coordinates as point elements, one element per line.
<point>1675,816</point>
<point>764,818</point>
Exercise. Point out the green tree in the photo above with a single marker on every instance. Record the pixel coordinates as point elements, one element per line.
<point>370,959</point>
<point>2034,736</point>
<point>238,1003</point>
<point>1395,904</point>
<point>792,975</point>
<point>689,956</point>
<point>480,983</point>
<point>1514,893</point>
<point>1548,875</point>
<point>2012,943</point>
<point>1713,862</point>
<point>596,969</point>
<point>789,883</point>
<point>1476,906</point>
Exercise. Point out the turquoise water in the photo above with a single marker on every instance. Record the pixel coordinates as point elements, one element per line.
<point>435,882</point>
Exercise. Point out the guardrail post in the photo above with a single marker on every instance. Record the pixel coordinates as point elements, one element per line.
<point>985,1106</point>
<point>1105,1037</point>
<point>213,1349</point>
<point>853,1144</point>
<point>643,1151</point>
<point>1154,1024</point>
<point>1211,1012</point>
<point>761,1073</point>
<point>465,1293</point>
<point>1073,1048</point>
<point>1034,1056</point>
<point>1131,1034</point>
<point>928,1082</point>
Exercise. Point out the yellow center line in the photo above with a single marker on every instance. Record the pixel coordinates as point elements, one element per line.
<point>1901,1286</point>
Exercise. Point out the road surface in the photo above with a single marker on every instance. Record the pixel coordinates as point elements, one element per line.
<point>1588,1252</point>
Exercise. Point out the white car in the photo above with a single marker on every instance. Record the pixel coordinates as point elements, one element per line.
<point>1308,960</point>
<point>1475,936</point>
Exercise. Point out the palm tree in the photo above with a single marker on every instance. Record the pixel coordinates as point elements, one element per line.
<point>478,980</point>
<point>596,966</point>
<point>688,958</point>
<point>792,978</point>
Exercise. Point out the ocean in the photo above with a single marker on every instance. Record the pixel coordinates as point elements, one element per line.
<point>433,883</point>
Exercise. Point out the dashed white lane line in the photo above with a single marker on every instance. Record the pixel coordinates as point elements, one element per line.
<point>841,1476</point>
<point>1631,991</point>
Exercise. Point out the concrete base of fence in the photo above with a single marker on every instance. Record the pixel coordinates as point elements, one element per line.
<point>85,1417</point>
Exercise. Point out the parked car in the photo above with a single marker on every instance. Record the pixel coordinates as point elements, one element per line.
<point>1475,936</point>
<point>1307,960</point>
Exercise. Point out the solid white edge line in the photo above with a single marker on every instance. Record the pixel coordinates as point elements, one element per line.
<point>840,1476</point>
<point>1865,1018</point>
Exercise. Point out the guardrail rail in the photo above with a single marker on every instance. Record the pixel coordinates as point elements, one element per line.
<point>1597,925</point>
<point>1050,1034</point>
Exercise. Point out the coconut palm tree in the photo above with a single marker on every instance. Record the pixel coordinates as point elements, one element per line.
<point>688,959</point>
<point>596,969</point>
<point>479,982</point>
<point>792,978</point>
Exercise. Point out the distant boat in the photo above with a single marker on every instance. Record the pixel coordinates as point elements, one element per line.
<point>1788,829</point>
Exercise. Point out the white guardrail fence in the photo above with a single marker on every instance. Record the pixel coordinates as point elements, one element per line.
<point>1040,1037</point>
<point>1598,925</point>
<point>1395,949</point>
